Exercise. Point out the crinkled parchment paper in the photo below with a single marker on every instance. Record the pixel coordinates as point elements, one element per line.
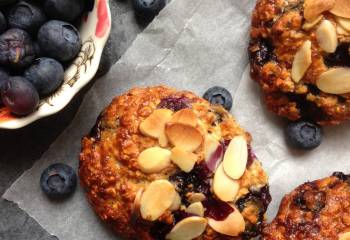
<point>191,45</point>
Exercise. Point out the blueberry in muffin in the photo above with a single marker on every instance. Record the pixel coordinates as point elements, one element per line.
<point>167,164</point>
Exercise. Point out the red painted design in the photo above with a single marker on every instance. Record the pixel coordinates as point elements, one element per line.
<point>103,22</point>
<point>5,114</point>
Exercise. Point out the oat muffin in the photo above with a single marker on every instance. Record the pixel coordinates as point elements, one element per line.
<point>299,54</point>
<point>165,164</point>
<point>318,210</point>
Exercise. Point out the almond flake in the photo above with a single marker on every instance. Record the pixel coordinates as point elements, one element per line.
<point>341,8</point>
<point>154,159</point>
<point>344,22</point>
<point>184,136</point>
<point>344,236</point>
<point>176,203</point>
<point>195,197</point>
<point>335,81</point>
<point>236,157</point>
<point>233,225</point>
<point>157,198</point>
<point>196,209</point>
<point>154,124</point>
<point>302,61</point>
<point>184,160</point>
<point>185,116</point>
<point>314,8</point>
<point>326,35</point>
<point>342,31</point>
<point>224,187</point>
<point>163,140</point>
<point>309,25</point>
<point>188,229</point>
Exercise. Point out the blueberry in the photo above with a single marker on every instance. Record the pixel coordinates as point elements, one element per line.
<point>59,40</point>
<point>58,181</point>
<point>304,135</point>
<point>148,8</point>
<point>46,74</point>
<point>65,10</point>
<point>219,96</point>
<point>3,23</point>
<point>16,49</point>
<point>3,78</point>
<point>19,96</point>
<point>26,16</point>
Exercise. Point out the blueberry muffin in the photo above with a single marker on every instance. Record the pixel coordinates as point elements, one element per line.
<point>318,210</point>
<point>299,54</point>
<point>166,164</point>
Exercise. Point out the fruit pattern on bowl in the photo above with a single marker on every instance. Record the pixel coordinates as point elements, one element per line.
<point>94,32</point>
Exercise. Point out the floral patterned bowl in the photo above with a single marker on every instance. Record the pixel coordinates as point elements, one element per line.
<point>94,30</point>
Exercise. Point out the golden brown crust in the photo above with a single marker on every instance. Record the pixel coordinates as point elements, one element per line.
<point>314,211</point>
<point>108,161</point>
<point>276,35</point>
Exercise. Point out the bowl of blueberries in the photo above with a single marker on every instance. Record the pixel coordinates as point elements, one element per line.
<point>49,50</point>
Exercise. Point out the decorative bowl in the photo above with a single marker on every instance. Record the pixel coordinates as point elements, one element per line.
<point>94,29</point>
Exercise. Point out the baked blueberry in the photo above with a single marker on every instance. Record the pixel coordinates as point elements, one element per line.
<point>58,181</point>
<point>27,16</point>
<point>220,96</point>
<point>148,8</point>
<point>59,40</point>
<point>16,49</point>
<point>3,23</point>
<point>304,135</point>
<point>3,78</point>
<point>65,10</point>
<point>19,96</point>
<point>46,74</point>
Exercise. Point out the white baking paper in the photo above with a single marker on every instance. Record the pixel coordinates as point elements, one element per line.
<point>193,45</point>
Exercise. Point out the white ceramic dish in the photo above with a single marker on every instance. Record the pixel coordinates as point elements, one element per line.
<point>94,30</point>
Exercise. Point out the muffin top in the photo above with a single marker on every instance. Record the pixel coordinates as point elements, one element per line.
<point>166,164</point>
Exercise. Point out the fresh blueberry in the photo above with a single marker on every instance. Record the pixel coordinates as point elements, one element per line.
<point>27,16</point>
<point>3,23</point>
<point>65,10</point>
<point>219,96</point>
<point>3,78</point>
<point>304,135</point>
<point>58,181</point>
<point>16,49</point>
<point>59,40</point>
<point>19,96</point>
<point>148,8</point>
<point>46,74</point>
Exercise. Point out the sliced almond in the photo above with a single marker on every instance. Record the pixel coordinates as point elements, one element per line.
<point>185,116</point>
<point>154,159</point>
<point>344,236</point>
<point>184,136</point>
<point>163,140</point>
<point>314,8</point>
<point>302,61</point>
<point>309,25</point>
<point>342,31</point>
<point>195,197</point>
<point>344,22</point>
<point>153,126</point>
<point>233,225</point>
<point>188,229</point>
<point>326,35</point>
<point>157,198</point>
<point>335,81</point>
<point>184,160</point>
<point>196,209</point>
<point>341,8</point>
<point>176,203</point>
<point>236,157</point>
<point>224,187</point>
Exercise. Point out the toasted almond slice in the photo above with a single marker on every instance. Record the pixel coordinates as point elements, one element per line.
<point>184,160</point>
<point>342,31</point>
<point>326,35</point>
<point>176,203</point>
<point>314,8</point>
<point>153,126</point>
<point>224,187</point>
<point>195,197</point>
<point>233,225</point>
<point>163,140</point>
<point>185,116</point>
<point>154,159</point>
<point>156,199</point>
<point>188,229</point>
<point>335,81</point>
<point>302,61</point>
<point>184,136</point>
<point>344,22</point>
<point>309,25</point>
<point>341,8</point>
<point>344,236</point>
<point>196,209</point>
<point>236,157</point>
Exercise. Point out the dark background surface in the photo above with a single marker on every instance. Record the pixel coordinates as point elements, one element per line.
<point>19,149</point>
